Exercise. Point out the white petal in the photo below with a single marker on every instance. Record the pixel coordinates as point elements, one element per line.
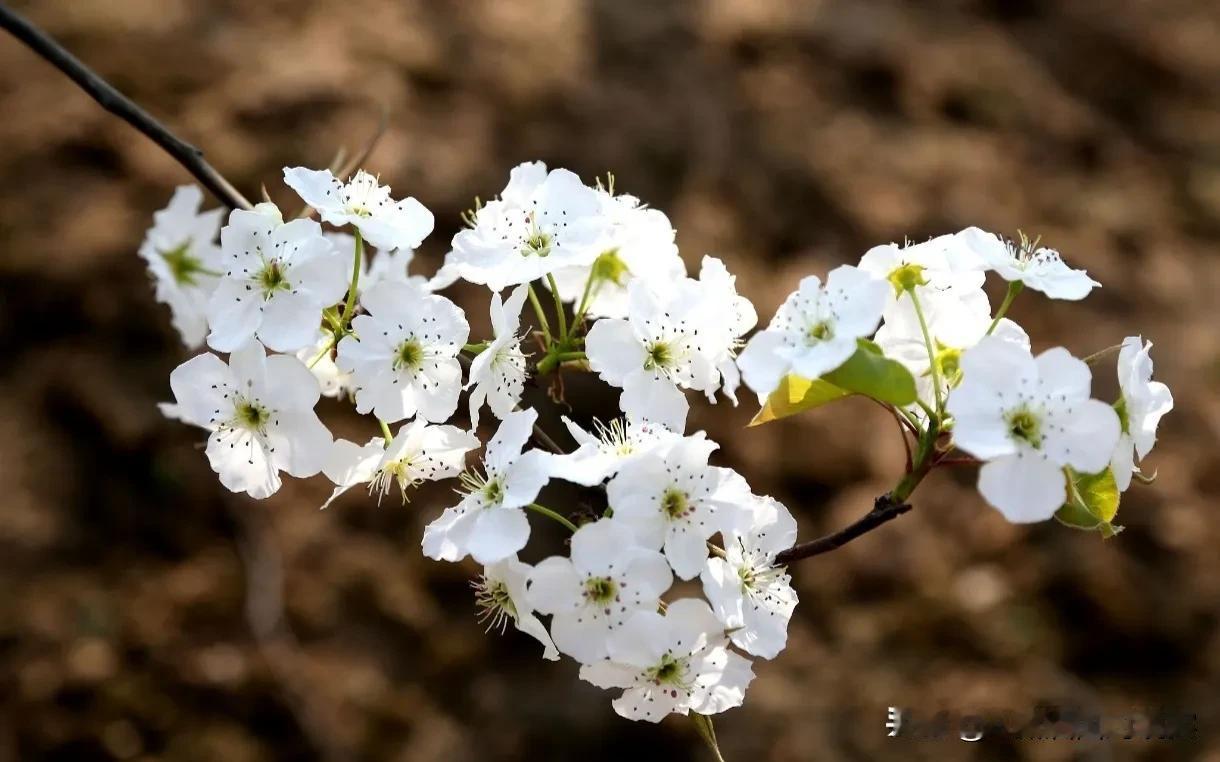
<point>581,635</point>
<point>243,463</point>
<point>1084,436</point>
<point>761,365</point>
<point>1055,279</point>
<point>290,384</point>
<point>613,350</point>
<point>1122,462</point>
<point>526,478</point>
<point>513,434</point>
<point>599,546</point>
<point>1024,487</point>
<point>607,674</point>
<point>640,642</point>
<point>318,188</point>
<point>648,398</point>
<point>554,586</point>
<point>348,464</point>
<point>1064,376</point>
<point>447,538</point>
<point>498,533</point>
<point>686,551</point>
<point>200,385</point>
<point>234,313</point>
<point>301,442</point>
<point>823,357</point>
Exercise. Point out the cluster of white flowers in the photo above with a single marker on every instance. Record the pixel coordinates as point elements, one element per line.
<point>343,321</point>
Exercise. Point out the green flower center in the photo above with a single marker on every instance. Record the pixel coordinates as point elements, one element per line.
<point>660,355</point>
<point>271,279</point>
<point>601,590</point>
<point>819,332</point>
<point>948,362</point>
<point>538,244</point>
<point>675,503</point>
<point>1025,426</point>
<point>410,355</point>
<point>668,671</point>
<point>493,491</point>
<point>907,277</point>
<point>182,266</point>
<point>252,415</point>
<point>609,267</point>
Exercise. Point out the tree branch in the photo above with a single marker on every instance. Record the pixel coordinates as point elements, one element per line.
<point>884,509</point>
<point>121,106</point>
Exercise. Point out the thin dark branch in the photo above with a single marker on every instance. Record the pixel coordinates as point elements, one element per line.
<point>884,509</point>
<point>123,107</point>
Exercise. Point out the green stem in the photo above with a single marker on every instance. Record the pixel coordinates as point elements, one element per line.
<point>563,319</point>
<point>552,514</point>
<point>921,466</point>
<point>1102,354</point>
<point>476,348</point>
<point>350,305</point>
<point>1014,288</point>
<point>584,298</point>
<point>542,322</point>
<point>325,350</point>
<point>553,359</point>
<point>385,432</point>
<point>927,341</point>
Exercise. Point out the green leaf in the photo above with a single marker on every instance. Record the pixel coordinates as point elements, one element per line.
<point>703,724</point>
<point>1092,502</point>
<point>872,374</point>
<point>866,372</point>
<point>794,395</point>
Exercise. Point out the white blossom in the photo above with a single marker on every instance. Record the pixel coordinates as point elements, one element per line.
<point>675,501</point>
<point>403,356</point>
<point>676,663</point>
<point>319,358</point>
<point>815,330</point>
<point>489,523</point>
<point>498,372</point>
<point>278,277</point>
<point>500,593</point>
<point>259,411</point>
<point>184,260</point>
<point>656,352</point>
<point>600,455</point>
<point>1041,269</point>
<point>593,593</point>
<point>377,264</point>
<point>1142,405</point>
<point>729,317</point>
<point>751,596</point>
<point>942,263</point>
<point>364,203</point>
<point>957,320</point>
<point>419,452</point>
<point>1028,418</point>
<point>542,222</point>
<point>639,243</point>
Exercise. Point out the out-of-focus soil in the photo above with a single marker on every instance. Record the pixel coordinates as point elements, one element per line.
<point>786,137</point>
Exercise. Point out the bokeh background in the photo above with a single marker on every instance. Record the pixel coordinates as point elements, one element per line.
<point>147,614</point>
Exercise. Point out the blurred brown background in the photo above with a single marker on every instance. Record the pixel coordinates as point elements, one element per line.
<point>786,137</point>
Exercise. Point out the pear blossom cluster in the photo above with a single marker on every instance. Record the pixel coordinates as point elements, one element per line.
<point>670,592</point>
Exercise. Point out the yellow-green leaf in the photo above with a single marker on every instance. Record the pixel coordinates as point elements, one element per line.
<point>1092,502</point>
<point>872,374</point>
<point>866,372</point>
<point>795,394</point>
